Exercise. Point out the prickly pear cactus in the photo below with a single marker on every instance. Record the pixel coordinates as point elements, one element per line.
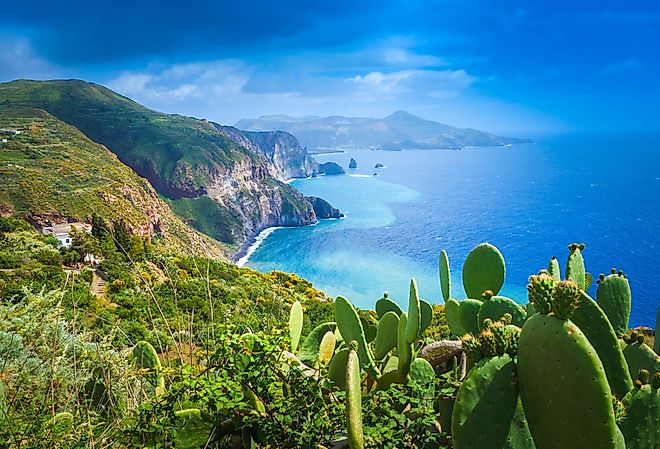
<point>484,269</point>
<point>640,424</point>
<point>445,275</point>
<point>593,322</point>
<point>549,349</point>
<point>385,304</point>
<point>553,269</point>
<point>404,348</point>
<point>295,324</point>
<point>422,373</point>
<point>146,358</point>
<point>351,329</point>
<point>614,297</point>
<point>485,406</point>
<point>468,315</point>
<point>4,407</point>
<point>452,315</point>
<point>193,431</point>
<point>326,348</point>
<point>640,356</point>
<point>575,265</point>
<point>309,349</point>
<point>495,307</point>
<point>354,402</point>
<point>414,322</point>
<point>386,335</point>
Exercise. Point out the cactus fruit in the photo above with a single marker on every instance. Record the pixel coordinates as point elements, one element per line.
<point>326,348</point>
<point>385,304</point>
<point>386,335</point>
<point>575,265</point>
<point>566,299</point>
<point>351,329</point>
<point>593,322</point>
<point>414,314</point>
<point>405,348</point>
<point>641,424</point>
<point>309,349</point>
<point>295,324</point>
<point>494,307</point>
<point>541,291</point>
<point>640,356</point>
<point>427,315</point>
<point>497,338</point>
<point>337,368</point>
<point>484,269</point>
<point>559,373</point>
<point>553,269</point>
<point>354,402</point>
<point>468,315</point>
<point>451,313</point>
<point>613,296</point>
<point>445,275</point>
<point>485,405</point>
<point>146,358</point>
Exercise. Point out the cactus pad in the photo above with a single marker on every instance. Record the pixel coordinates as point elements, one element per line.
<point>484,269</point>
<point>640,356</point>
<point>593,322</point>
<point>405,348</point>
<point>337,368</point>
<point>575,265</point>
<point>326,348</point>
<point>563,387</point>
<point>427,315</point>
<point>385,304</point>
<point>614,297</point>
<point>452,315</point>
<point>445,275</point>
<point>468,315</point>
<point>386,335</point>
<point>414,314</point>
<point>146,358</point>
<point>485,405</point>
<point>354,402</point>
<point>641,423</point>
<point>553,269</point>
<point>295,324</point>
<point>309,349</point>
<point>351,329</point>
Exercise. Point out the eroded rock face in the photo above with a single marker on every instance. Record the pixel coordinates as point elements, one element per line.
<point>323,209</point>
<point>331,168</point>
<point>352,164</point>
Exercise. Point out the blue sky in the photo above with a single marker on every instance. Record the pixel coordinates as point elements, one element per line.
<point>521,67</point>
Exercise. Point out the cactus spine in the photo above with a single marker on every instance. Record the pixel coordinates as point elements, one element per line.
<point>484,269</point>
<point>613,296</point>
<point>354,402</point>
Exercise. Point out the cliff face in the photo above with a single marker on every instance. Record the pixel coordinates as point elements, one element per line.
<point>286,157</point>
<point>223,181</point>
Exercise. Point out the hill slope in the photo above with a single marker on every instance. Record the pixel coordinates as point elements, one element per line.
<point>216,182</point>
<point>398,131</point>
<point>51,172</point>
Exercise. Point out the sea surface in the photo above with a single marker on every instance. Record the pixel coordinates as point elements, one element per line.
<point>529,200</point>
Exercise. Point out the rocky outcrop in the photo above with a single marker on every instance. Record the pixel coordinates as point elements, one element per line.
<point>352,164</point>
<point>323,209</point>
<point>286,157</point>
<point>331,168</point>
<point>379,165</point>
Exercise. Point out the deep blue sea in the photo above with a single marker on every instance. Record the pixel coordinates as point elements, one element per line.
<point>530,200</point>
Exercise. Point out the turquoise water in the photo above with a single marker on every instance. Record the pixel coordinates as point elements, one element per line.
<point>529,200</point>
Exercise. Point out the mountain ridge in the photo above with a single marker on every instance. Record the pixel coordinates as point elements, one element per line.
<point>398,131</point>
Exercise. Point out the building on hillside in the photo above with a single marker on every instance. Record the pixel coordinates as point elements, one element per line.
<point>62,231</point>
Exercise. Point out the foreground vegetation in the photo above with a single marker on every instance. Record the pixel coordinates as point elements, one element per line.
<point>188,352</point>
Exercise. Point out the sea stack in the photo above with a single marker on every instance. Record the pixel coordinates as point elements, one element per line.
<point>379,165</point>
<point>352,164</point>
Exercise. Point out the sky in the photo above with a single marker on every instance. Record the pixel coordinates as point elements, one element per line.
<point>516,67</point>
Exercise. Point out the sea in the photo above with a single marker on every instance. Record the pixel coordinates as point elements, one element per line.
<point>529,200</point>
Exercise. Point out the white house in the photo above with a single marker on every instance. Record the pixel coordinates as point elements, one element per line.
<point>62,231</point>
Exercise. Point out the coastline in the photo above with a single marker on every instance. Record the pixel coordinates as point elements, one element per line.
<point>256,243</point>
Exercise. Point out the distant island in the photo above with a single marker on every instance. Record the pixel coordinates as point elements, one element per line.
<point>399,131</point>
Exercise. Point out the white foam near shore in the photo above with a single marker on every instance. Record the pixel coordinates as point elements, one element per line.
<point>258,240</point>
<point>360,176</point>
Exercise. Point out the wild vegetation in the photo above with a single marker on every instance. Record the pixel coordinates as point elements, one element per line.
<point>183,351</point>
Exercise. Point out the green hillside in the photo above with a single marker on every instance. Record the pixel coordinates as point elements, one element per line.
<point>51,171</point>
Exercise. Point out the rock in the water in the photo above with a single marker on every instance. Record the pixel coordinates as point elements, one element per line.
<point>323,209</point>
<point>330,168</point>
<point>352,164</point>
<point>379,165</point>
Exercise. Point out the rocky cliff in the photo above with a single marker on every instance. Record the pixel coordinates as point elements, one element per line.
<point>222,181</point>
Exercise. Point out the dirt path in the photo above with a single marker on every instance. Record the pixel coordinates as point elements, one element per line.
<point>98,287</point>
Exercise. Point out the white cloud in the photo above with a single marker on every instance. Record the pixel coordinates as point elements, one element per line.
<point>19,60</point>
<point>435,83</point>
